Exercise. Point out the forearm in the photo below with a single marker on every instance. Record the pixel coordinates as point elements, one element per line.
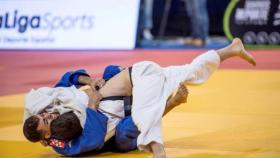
<point>95,83</point>
<point>94,98</point>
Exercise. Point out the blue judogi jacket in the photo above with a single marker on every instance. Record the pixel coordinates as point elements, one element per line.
<point>95,128</point>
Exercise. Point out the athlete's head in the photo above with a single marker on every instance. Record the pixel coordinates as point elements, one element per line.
<point>66,127</point>
<point>37,127</point>
<point>45,126</point>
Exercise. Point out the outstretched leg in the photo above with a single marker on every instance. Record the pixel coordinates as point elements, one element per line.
<point>236,48</point>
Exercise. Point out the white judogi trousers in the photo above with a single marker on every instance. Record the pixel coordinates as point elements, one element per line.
<point>152,85</point>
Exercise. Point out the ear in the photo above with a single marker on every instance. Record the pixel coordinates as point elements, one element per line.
<point>47,135</point>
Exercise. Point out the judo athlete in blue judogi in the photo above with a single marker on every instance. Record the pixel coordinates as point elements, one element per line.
<point>109,122</point>
<point>97,129</point>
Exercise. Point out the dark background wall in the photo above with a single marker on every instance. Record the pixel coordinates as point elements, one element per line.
<point>178,21</point>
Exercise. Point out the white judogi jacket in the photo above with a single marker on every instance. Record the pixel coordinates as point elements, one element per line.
<point>59,99</point>
<point>66,99</point>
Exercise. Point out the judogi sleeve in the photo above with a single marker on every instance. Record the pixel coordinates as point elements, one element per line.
<point>92,137</point>
<point>71,78</point>
<point>110,71</point>
<point>126,135</point>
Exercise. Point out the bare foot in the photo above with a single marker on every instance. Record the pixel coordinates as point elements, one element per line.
<point>158,150</point>
<point>159,155</point>
<point>240,51</point>
<point>181,95</point>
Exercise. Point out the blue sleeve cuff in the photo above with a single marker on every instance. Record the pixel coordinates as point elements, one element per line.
<point>71,78</point>
<point>110,71</point>
<point>74,78</point>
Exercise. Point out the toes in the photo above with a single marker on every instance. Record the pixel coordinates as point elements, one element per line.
<point>247,56</point>
<point>252,60</point>
<point>182,90</point>
<point>185,89</point>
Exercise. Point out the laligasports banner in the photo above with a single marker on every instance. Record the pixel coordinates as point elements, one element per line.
<point>256,22</point>
<point>68,24</point>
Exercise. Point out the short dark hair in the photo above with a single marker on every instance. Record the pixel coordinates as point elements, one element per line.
<point>30,129</point>
<point>66,127</point>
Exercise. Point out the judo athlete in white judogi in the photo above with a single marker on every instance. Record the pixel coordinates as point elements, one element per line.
<point>100,124</point>
<point>64,99</point>
<point>151,85</point>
